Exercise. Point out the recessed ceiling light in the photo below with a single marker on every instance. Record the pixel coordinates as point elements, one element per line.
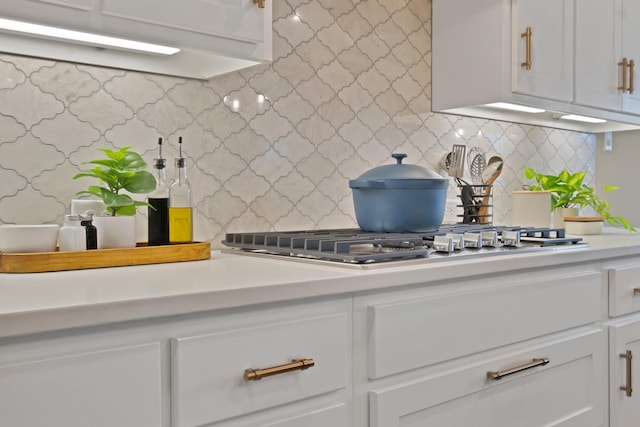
<point>515,107</point>
<point>84,38</point>
<point>586,119</point>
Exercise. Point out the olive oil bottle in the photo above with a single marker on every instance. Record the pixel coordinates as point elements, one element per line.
<point>158,212</point>
<point>180,212</point>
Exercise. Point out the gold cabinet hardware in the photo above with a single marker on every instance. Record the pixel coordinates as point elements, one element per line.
<point>295,365</point>
<point>624,65</point>
<point>628,389</point>
<point>498,375</point>
<point>260,3</point>
<point>527,35</point>
<point>632,64</point>
<point>636,291</point>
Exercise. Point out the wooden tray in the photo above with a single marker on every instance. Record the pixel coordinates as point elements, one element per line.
<point>142,254</point>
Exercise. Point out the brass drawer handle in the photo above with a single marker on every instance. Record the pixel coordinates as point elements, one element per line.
<point>260,3</point>
<point>497,375</point>
<point>632,65</point>
<point>295,365</point>
<point>628,389</point>
<point>624,65</point>
<point>527,35</point>
<point>636,291</point>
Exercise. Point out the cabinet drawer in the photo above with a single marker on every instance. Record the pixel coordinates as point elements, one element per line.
<point>208,382</point>
<point>103,388</point>
<point>624,290</point>
<point>420,332</point>
<point>568,391</point>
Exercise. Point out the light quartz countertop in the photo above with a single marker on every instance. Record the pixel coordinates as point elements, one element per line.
<point>40,302</point>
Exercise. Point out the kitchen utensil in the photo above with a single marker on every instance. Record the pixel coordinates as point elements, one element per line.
<point>399,197</point>
<point>477,163</point>
<point>457,160</point>
<point>489,176</point>
<point>28,238</point>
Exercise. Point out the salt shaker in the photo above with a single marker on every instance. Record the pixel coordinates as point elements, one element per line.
<point>72,235</point>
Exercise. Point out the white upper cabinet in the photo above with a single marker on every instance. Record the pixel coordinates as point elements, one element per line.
<point>214,36</point>
<point>543,35</point>
<point>530,53</point>
<point>607,51</point>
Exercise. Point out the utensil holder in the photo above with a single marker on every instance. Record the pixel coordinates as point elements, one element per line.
<point>476,203</point>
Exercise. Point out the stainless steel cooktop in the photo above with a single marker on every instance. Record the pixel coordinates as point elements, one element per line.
<point>449,242</point>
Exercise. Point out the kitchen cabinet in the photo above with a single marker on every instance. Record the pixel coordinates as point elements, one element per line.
<point>62,383</point>
<point>624,350</point>
<point>624,341</point>
<point>483,53</point>
<point>214,37</point>
<point>207,369</point>
<point>606,38</point>
<point>543,31</point>
<point>454,335</point>
<point>186,371</point>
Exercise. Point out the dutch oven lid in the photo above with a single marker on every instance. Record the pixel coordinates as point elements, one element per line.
<point>399,175</point>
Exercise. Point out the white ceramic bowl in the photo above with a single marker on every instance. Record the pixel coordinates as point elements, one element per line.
<point>28,238</point>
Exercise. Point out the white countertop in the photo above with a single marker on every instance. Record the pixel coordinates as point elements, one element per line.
<point>39,302</point>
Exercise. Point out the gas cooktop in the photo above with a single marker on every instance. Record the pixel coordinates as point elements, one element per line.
<point>354,246</point>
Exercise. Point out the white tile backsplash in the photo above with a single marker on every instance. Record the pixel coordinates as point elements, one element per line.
<point>270,147</point>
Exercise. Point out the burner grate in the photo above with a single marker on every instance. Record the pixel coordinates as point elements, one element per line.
<point>357,246</point>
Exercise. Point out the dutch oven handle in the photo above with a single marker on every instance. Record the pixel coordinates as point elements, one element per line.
<point>399,157</point>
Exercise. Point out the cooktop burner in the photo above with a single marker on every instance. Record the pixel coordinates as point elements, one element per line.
<point>357,246</point>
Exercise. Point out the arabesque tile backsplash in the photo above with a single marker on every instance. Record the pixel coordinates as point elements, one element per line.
<point>270,147</point>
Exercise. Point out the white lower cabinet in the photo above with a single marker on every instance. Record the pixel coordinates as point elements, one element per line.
<point>557,384</point>
<point>624,342</point>
<point>424,356</point>
<point>218,376</point>
<point>98,388</point>
<point>624,373</point>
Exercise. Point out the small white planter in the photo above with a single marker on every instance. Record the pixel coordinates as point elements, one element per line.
<point>582,225</point>
<point>559,214</point>
<point>115,231</point>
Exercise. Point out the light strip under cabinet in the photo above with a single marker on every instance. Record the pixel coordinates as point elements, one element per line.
<point>55,33</point>
<point>585,119</point>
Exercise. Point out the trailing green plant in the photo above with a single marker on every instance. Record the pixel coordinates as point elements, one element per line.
<point>121,170</point>
<point>569,190</point>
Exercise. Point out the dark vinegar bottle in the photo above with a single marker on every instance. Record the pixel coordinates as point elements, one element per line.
<point>158,226</point>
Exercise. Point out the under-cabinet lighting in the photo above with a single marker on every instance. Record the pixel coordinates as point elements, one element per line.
<point>85,38</point>
<point>585,119</point>
<point>515,107</point>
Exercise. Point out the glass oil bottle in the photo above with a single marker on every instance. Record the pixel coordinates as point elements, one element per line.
<point>180,212</point>
<point>158,212</point>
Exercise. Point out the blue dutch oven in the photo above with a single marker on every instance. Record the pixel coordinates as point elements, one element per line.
<point>399,198</point>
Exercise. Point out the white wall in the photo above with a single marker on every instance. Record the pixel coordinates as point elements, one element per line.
<point>620,167</point>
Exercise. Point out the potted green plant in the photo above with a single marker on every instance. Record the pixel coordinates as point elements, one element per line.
<point>121,170</point>
<point>569,191</point>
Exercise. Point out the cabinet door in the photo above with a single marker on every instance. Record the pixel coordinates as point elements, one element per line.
<point>598,54</point>
<point>551,49</point>
<point>116,387</point>
<point>568,391</point>
<point>631,50</point>
<point>235,19</point>
<point>624,409</point>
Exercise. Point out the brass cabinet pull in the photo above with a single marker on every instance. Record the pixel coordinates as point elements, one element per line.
<point>636,291</point>
<point>527,35</point>
<point>498,375</point>
<point>624,65</point>
<point>260,3</point>
<point>632,64</point>
<point>628,389</point>
<point>295,365</point>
